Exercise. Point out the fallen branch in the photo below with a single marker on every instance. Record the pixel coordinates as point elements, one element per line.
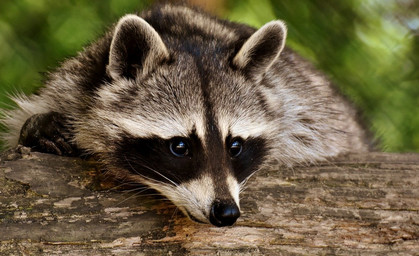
<point>357,204</point>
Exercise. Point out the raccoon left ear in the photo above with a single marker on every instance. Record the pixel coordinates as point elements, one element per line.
<point>261,49</point>
<point>136,48</point>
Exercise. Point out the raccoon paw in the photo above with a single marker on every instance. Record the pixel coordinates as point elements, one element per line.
<point>47,133</point>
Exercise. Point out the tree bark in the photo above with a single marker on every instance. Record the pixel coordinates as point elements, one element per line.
<point>357,204</point>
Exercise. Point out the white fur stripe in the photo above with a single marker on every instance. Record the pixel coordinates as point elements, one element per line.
<point>234,188</point>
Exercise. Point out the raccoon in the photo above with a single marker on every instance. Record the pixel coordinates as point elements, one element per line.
<point>190,105</point>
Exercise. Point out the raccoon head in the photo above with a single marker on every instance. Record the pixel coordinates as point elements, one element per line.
<point>188,123</point>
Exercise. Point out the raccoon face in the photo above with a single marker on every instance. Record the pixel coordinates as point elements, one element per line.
<point>192,127</point>
<point>203,178</point>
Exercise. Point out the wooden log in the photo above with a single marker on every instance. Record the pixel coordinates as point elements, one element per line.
<point>357,204</point>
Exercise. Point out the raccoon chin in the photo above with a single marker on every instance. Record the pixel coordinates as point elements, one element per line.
<point>193,218</point>
<point>181,198</point>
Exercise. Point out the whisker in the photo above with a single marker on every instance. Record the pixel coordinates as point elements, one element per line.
<point>151,169</point>
<point>244,182</point>
<point>126,184</point>
<point>139,189</point>
<point>126,199</point>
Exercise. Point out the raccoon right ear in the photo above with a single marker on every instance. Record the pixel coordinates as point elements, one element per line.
<point>261,49</point>
<point>136,48</point>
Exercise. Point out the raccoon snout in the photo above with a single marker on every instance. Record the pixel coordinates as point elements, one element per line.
<point>224,213</point>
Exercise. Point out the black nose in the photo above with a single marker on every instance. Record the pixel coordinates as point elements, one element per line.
<point>224,213</point>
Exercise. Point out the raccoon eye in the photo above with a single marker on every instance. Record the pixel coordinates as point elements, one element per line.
<point>179,147</point>
<point>236,147</point>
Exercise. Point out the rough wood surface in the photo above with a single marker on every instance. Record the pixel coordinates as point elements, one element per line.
<point>359,204</point>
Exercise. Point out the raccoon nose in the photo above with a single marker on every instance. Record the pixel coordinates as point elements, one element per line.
<point>224,213</point>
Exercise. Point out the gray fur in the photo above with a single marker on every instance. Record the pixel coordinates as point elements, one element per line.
<point>192,67</point>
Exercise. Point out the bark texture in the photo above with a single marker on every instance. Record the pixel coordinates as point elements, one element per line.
<point>357,204</point>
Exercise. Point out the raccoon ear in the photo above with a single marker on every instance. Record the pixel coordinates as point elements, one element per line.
<point>261,49</point>
<point>136,48</point>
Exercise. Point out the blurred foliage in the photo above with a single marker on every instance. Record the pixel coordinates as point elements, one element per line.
<point>369,48</point>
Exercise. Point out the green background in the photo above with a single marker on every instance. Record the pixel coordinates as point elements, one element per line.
<point>369,48</point>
